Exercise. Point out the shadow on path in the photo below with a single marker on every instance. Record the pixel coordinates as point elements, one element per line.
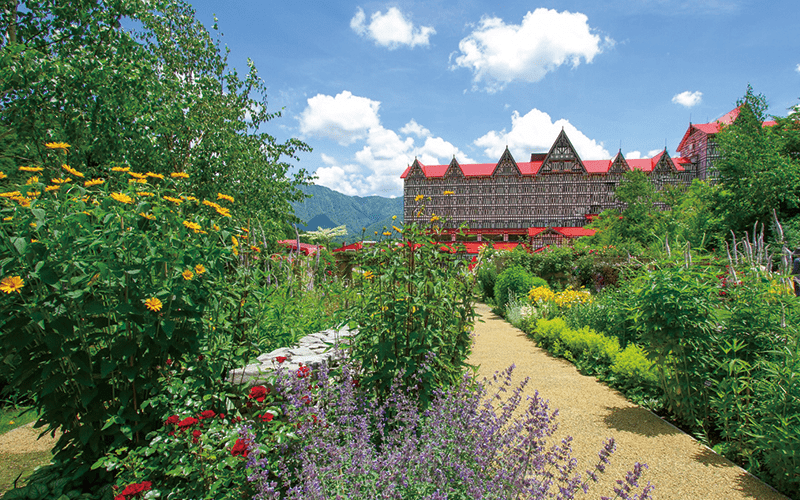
<point>639,421</point>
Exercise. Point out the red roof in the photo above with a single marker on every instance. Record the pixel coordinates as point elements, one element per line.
<point>354,246</point>
<point>574,232</point>
<point>304,247</point>
<point>716,125</point>
<point>533,231</point>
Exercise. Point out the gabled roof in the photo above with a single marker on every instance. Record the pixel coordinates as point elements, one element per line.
<point>715,126</point>
<point>533,231</point>
<point>352,247</point>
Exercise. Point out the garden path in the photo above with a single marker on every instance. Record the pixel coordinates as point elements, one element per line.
<point>679,466</point>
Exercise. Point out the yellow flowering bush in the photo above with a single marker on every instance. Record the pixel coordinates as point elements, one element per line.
<point>101,288</point>
<point>541,294</point>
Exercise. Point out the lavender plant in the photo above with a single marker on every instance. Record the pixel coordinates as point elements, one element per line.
<point>469,443</point>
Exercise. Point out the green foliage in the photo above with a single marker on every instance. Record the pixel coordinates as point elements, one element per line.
<point>757,171</point>
<point>414,309</point>
<point>159,97</point>
<point>674,317</point>
<point>487,277</point>
<point>514,281</point>
<point>113,281</point>
<point>632,368</point>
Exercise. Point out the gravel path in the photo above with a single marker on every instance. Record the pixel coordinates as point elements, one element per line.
<point>679,466</point>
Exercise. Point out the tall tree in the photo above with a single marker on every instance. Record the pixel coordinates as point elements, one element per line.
<point>757,172</point>
<point>143,84</point>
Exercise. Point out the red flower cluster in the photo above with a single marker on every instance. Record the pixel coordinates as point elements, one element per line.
<point>207,414</point>
<point>258,393</point>
<point>266,417</point>
<point>187,422</point>
<point>134,489</point>
<point>280,359</point>
<point>195,435</point>
<point>240,448</point>
<point>303,371</point>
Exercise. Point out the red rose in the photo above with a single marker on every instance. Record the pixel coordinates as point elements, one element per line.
<point>195,434</point>
<point>187,422</point>
<point>133,489</point>
<point>239,448</point>
<point>174,419</point>
<point>266,417</point>
<point>207,414</point>
<point>169,362</point>
<point>303,371</point>
<point>258,393</point>
<point>280,359</point>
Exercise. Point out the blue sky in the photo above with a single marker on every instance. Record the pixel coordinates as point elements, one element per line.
<point>372,85</point>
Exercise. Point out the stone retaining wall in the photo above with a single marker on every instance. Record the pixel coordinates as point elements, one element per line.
<point>312,350</point>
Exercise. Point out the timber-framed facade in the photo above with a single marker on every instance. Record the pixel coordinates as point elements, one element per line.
<point>555,193</point>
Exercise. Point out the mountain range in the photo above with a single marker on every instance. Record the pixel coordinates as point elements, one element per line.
<point>327,208</point>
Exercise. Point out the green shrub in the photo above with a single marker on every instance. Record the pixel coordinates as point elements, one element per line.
<point>537,282</point>
<point>105,281</point>
<point>514,280</point>
<point>487,276</point>
<point>632,368</point>
<point>414,309</point>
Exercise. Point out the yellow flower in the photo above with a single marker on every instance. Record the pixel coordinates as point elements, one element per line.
<point>137,175</point>
<point>56,145</point>
<point>177,201</point>
<point>419,197</point>
<point>387,233</point>
<point>211,204</point>
<point>33,225</point>
<point>447,193</point>
<point>394,217</point>
<point>33,194</point>
<point>376,233</point>
<point>137,181</point>
<point>255,249</point>
<point>413,309</point>
<point>215,227</point>
<point>71,170</point>
<point>3,175</point>
<point>30,169</point>
<point>234,241</point>
<point>10,194</point>
<point>23,202</point>
<point>52,188</point>
<point>397,229</point>
<point>225,197</point>
<point>187,274</point>
<point>93,182</point>
<point>157,176</point>
<point>244,229</point>
<point>540,294</point>
<point>144,193</point>
<point>9,218</point>
<point>60,180</point>
<point>147,216</point>
<point>120,169</point>
<point>179,175</point>
<point>192,225</point>
<point>189,198</point>
<point>32,180</point>
<point>122,198</point>
<point>199,269</point>
<point>11,284</point>
<point>434,218</point>
<point>223,211</point>
<point>153,304</point>
<point>368,275</point>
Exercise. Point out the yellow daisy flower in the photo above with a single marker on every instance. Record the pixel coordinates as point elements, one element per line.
<point>153,304</point>
<point>30,169</point>
<point>199,269</point>
<point>419,197</point>
<point>179,175</point>
<point>192,225</point>
<point>3,175</point>
<point>120,169</point>
<point>147,216</point>
<point>225,197</point>
<point>152,174</point>
<point>71,170</point>
<point>60,180</point>
<point>93,182</point>
<point>176,201</point>
<point>223,211</point>
<point>32,180</point>
<point>54,187</point>
<point>122,198</point>
<point>187,275</point>
<point>144,193</point>
<point>11,284</point>
<point>57,145</point>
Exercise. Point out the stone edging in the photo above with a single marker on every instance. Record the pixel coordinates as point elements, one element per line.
<point>311,350</point>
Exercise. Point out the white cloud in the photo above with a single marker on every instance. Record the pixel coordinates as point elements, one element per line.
<point>653,152</point>
<point>633,155</point>
<point>391,30</point>
<point>344,118</point>
<point>797,68</point>
<point>535,132</point>
<point>415,128</point>
<point>688,99</point>
<point>376,167</point>
<point>500,53</point>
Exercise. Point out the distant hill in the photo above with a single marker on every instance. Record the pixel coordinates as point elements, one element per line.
<point>328,208</point>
